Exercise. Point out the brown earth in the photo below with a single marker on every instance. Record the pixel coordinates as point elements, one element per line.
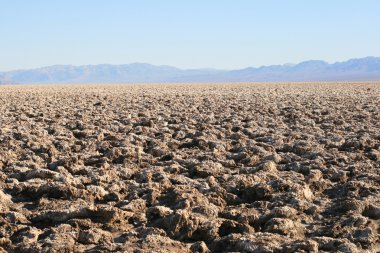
<point>190,168</point>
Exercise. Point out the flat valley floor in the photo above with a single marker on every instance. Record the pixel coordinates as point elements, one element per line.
<point>287,167</point>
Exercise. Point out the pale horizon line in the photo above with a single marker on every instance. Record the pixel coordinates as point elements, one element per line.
<point>181,68</point>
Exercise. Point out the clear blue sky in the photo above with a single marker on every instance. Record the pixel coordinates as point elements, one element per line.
<point>186,33</point>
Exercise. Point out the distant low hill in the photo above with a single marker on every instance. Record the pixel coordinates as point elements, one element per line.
<point>363,69</point>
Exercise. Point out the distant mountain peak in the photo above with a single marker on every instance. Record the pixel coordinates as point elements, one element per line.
<point>359,69</point>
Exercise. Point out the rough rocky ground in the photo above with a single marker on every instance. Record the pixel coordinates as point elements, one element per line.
<point>190,168</point>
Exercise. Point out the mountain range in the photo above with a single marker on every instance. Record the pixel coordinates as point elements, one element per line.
<point>362,69</point>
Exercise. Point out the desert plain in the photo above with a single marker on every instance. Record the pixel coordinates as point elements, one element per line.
<point>256,167</point>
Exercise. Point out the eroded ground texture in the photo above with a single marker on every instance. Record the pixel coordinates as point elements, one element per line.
<point>190,168</point>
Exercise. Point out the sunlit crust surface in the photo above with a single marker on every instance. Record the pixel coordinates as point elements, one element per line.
<point>261,167</point>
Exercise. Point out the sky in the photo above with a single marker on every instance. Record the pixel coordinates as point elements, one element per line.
<point>222,34</point>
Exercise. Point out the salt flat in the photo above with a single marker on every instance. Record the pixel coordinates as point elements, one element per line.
<point>270,167</point>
